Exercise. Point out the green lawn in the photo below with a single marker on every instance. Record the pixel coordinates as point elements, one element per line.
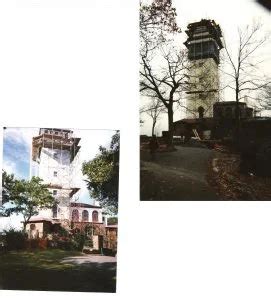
<point>43,270</point>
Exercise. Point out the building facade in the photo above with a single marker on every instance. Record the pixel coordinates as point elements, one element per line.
<point>203,44</point>
<point>55,155</point>
<point>55,152</point>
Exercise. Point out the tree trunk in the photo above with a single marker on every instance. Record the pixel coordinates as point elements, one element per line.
<point>170,125</point>
<point>153,127</point>
<point>237,112</point>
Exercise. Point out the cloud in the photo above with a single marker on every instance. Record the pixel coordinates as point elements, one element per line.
<point>21,136</point>
<point>14,221</point>
<point>9,167</point>
<point>12,168</point>
<point>16,150</point>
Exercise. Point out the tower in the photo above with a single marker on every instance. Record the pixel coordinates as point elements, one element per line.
<point>55,152</point>
<point>203,44</point>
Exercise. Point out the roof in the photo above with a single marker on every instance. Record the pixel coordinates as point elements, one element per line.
<point>58,129</point>
<point>258,119</point>
<point>37,219</point>
<point>78,204</point>
<point>193,121</point>
<point>228,103</point>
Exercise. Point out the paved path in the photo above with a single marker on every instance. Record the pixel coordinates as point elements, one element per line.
<point>179,175</point>
<point>87,258</point>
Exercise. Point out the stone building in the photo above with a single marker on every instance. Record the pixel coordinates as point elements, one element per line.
<point>203,44</point>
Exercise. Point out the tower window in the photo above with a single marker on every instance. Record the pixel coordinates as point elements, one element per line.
<point>201,112</point>
<point>55,173</point>
<point>54,210</point>
<point>202,96</point>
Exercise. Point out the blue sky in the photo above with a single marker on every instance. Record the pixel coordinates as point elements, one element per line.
<point>16,156</point>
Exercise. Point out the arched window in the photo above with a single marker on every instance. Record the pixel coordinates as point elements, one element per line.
<point>75,215</point>
<point>95,216</point>
<point>85,216</point>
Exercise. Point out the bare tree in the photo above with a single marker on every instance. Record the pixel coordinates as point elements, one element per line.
<point>157,27</point>
<point>263,101</point>
<point>154,109</point>
<point>165,80</point>
<point>244,67</point>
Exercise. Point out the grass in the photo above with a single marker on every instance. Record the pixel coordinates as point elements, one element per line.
<point>43,271</point>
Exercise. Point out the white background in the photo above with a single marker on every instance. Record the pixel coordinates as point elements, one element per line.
<point>74,64</point>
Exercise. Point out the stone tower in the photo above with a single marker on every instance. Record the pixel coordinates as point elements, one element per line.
<point>55,151</point>
<point>203,44</point>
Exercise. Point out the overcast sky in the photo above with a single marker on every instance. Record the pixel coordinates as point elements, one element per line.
<point>229,15</point>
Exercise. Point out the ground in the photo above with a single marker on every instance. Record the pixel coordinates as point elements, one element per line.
<point>57,270</point>
<point>230,184</point>
<point>193,173</point>
<point>177,175</point>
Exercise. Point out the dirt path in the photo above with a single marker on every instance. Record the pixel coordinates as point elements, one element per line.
<point>179,175</point>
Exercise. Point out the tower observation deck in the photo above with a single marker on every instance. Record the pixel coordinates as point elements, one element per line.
<point>204,40</point>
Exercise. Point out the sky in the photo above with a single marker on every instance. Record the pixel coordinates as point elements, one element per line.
<point>230,15</point>
<point>17,150</point>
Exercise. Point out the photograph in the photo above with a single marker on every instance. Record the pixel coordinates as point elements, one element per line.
<point>59,209</point>
<point>205,100</point>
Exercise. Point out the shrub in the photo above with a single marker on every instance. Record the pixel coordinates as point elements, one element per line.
<point>62,232</point>
<point>79,240</point>
<point>89,243</point>
<point>15,239</point>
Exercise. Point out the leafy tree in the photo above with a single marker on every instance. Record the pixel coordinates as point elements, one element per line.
<point>112,221</point>
<point>28,197</point>
<point>102,174</point>
<point>156,20</point>
<point>8,182</point>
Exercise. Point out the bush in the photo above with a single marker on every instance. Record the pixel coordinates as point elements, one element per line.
<point>15,239</point>
<point>79,240</point>
<point>62,232</point>
<point>75,242</point>
<point>88,243</point>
